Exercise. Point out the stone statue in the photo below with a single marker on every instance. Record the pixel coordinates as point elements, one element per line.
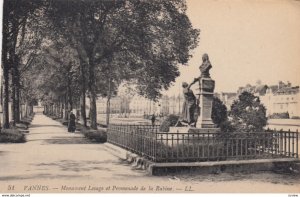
<point>205,66</point>
<point>189,106</point>
<point>197,111</point>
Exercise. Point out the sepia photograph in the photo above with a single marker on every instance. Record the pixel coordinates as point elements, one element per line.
<point>149,96</point>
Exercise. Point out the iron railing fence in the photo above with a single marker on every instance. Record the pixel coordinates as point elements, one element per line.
<point>148,142</point>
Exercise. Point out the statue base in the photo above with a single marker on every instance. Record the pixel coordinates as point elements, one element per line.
<point>206,94</point>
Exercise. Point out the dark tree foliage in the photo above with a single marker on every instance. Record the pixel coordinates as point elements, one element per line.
<point>17,15</point>
<point>219,112</point>
<point>247,113</point>
<point>136,40</point>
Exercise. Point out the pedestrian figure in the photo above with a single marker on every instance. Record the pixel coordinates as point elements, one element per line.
<point>71,125</point>
<point>153,120</point>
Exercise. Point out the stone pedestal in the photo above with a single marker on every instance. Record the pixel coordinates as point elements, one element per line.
<point>206,93</point>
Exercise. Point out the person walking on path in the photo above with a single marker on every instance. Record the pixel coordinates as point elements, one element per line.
<point>153,120</point>
<point>71,125</point>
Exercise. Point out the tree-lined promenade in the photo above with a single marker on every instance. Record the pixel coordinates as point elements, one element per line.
<point>60,52</point>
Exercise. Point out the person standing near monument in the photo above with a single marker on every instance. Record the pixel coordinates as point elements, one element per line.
<point>153,120</point>
<point>189,105</point>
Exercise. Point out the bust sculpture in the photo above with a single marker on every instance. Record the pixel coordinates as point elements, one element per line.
<point>205,66</point>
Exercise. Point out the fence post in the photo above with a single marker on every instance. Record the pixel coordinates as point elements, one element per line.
<point>293,144</point>
<point>289,142</point>
<point>284,143</point>
<point>208,146</point>
<point>297,139</point>
<point>155,146</point>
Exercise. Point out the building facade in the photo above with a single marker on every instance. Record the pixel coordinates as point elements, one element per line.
<point>281,98</point>
<point>227,98</point>
<point>284,99</point>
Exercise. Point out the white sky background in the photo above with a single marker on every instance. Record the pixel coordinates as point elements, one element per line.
<point>246,41</point>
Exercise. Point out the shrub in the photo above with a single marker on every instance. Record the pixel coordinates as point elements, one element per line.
<point>219,112</point>
<point>95,135</point>
<point>12,136</point>
<point>227,126</point>
<point>248,114</point>
<point>170,121</point>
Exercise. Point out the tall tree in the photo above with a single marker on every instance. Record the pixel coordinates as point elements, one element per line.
<point>15,17</point>
<point>151,39</point>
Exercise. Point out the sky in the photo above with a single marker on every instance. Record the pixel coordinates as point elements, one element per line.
<point>246,41</point>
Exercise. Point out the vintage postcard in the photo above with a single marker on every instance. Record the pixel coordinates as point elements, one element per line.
<point>150,96</point>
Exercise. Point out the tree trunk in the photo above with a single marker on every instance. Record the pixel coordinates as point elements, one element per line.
<point>70,99</point>
<point>93,112</point>
<point>5,109</point>
<point>82,108</point>
<point>17,93</point>
<point>5,67</point>
<point>107,111</point>
<point>61,107</point>
<point>108,102</point>
<point>13,97</point>
<point>91,84</point>
<point>82,101</point>
<point>66,117</point>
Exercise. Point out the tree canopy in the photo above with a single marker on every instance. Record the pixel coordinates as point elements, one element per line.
<point>97,45</point>
<point>248,112</point>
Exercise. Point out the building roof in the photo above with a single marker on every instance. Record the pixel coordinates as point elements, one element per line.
<point>288,90</point>
<point>274,88</point>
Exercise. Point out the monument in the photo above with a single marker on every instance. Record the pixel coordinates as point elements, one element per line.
<point>196,113</point>
<point>206,93</point>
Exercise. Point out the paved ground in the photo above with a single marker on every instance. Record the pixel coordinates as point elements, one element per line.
<point>54,160</point>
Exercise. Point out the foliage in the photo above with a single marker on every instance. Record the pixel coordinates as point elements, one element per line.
<point>219,112</point>
<point>57,74</point>
<point>247,113</point>
<point>90,47</point>
<point>21,39</point>
<point>138,40</point>
<point>98,135</point>
<point>170,121</point>
<point>12,136</point>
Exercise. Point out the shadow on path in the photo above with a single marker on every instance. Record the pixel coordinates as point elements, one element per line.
<point>44,125</point>
<point>78,166</point>
<point>37,176</point>
<point>69,140</point>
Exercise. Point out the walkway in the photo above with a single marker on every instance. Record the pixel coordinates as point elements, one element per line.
<point>53,155</point>
<point>54,160</point>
